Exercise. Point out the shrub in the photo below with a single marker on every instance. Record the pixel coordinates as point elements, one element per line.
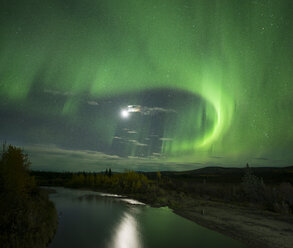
<point>253,186</point>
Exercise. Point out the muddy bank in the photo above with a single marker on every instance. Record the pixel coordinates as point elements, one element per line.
<point>255,228</point>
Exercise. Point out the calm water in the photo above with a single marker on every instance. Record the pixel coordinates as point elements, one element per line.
<point>91,220</point>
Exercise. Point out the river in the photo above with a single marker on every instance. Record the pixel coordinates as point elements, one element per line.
<point>92,220</point>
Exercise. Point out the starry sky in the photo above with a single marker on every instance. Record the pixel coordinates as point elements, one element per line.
<point>212,82</point>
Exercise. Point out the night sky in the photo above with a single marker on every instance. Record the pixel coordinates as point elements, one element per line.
<point>201,82</point>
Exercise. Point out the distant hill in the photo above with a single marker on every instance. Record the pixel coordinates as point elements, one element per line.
<point>232,175</point>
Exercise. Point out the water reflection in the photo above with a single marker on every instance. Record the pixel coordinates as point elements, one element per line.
<point>127,233</point>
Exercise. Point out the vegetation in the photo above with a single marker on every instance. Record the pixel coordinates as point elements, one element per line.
<point>250,190</point>
<point>278,198</point>
<point>28,218</point>
<point>178,189</point>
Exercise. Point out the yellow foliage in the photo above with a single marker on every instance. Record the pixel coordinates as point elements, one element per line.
<point>14,173</point>
<point>129,181</point>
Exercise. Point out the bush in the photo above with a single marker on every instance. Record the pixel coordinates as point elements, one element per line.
<point>286,193</point>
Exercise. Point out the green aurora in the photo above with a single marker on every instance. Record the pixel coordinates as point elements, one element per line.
<point>236,55</point>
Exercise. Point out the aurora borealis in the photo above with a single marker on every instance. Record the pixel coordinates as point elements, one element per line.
<point>219,71</point>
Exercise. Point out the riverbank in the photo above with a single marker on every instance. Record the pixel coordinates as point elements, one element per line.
<point>253,227</point>
<point>29,221</point>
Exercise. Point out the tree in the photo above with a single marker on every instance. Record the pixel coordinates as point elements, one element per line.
<point>252,185</point>
<point>23,207</point>
<point>159,176</point>
<point>14,168</point>
<point>91,179</point>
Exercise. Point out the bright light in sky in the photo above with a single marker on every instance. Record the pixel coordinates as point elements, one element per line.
<point>124,113</point>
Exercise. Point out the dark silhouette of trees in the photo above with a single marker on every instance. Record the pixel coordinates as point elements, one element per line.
<point>108,172</point>
<point>24,207</point>
<point>252,185</point>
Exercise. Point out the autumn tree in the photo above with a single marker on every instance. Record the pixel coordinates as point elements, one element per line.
<point>14,168</point>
